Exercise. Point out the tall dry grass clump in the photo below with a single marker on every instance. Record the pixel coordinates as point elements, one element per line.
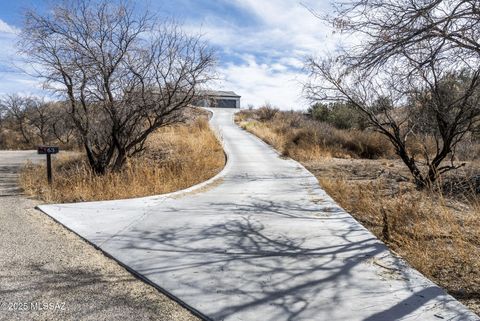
<point>176,157</point>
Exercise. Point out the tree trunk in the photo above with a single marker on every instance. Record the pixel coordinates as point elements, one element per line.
<point>418,178</point>
<point>99,167</point>
<point>120,161</point>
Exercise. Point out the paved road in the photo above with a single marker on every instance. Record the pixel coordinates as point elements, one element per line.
<point>262,241</point>
<point>49,273</point>
<point>10,164</point>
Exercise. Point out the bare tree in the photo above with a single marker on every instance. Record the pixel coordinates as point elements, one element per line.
<point>392,29</point>
<point>435,103</point>
<point>61,126</point>
<point>414,75</point>
<point>3,115</point>
<point>124,74</point>
<point>36,120</point>
<point>16,109</point>
<point>40,118</point>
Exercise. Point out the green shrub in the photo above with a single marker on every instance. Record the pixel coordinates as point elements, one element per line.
<point>340,115</point>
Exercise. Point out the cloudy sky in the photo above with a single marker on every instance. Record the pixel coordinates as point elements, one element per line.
<point>261,43</point>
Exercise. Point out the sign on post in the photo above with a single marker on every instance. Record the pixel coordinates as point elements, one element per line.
<point>48,150</point>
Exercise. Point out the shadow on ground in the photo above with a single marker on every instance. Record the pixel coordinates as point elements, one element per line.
<point>283,272</point>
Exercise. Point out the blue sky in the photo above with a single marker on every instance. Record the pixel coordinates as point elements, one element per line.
<point>261,43</point>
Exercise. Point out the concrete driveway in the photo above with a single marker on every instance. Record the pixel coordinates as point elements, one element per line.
<point>261,241</point>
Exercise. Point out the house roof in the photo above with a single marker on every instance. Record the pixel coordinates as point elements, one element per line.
<point>219,93</point>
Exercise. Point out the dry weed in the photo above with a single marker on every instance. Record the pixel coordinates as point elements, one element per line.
<point>296,136</point>
<point>433,234</point>
<point>176,157</point>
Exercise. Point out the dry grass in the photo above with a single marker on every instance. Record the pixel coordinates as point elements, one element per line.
<point>438,235</point>
<point>176,157</point>
<point>296,136</point>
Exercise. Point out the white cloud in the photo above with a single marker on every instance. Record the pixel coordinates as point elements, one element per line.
<point>19,83</point>
<point>287,23</point>
<point>261,83</point>
<point>12,79</point>
<point>272,51</point>
<point>6,28</point>
<point>262,60</point>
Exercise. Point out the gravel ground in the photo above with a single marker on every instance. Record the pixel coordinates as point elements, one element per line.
<point>49,273</point>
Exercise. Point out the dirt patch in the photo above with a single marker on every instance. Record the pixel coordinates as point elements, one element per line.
<point>45,264</point>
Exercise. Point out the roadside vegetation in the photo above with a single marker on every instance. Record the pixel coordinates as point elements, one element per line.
<point>436,230</point>
<point>414,79</point>
<point>121,72</point>
<point>27,122</point>
<point>175,157</point>
<point>123,80</point>
<point>303,138</point>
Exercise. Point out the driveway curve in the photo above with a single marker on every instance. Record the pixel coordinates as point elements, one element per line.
<point>43,264</point>
<point>260,241</point>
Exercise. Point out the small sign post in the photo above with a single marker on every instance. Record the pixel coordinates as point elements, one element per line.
<point>48,150</point>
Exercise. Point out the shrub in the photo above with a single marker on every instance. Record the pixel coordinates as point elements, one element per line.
<point>366,144</point>
<point>176,157</point>
<point>302,138</point>
<point>340,115</point>
<point>266,112</point>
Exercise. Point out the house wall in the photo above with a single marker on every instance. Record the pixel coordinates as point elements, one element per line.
<point>227,102</point>
<point>216,101</point>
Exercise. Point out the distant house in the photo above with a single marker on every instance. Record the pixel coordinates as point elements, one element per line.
<point>219,99</point>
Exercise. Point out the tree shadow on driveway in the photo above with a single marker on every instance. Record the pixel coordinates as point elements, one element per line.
<point>245,267</point>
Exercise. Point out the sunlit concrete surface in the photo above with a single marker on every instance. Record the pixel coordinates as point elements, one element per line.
<point>261,241</point>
